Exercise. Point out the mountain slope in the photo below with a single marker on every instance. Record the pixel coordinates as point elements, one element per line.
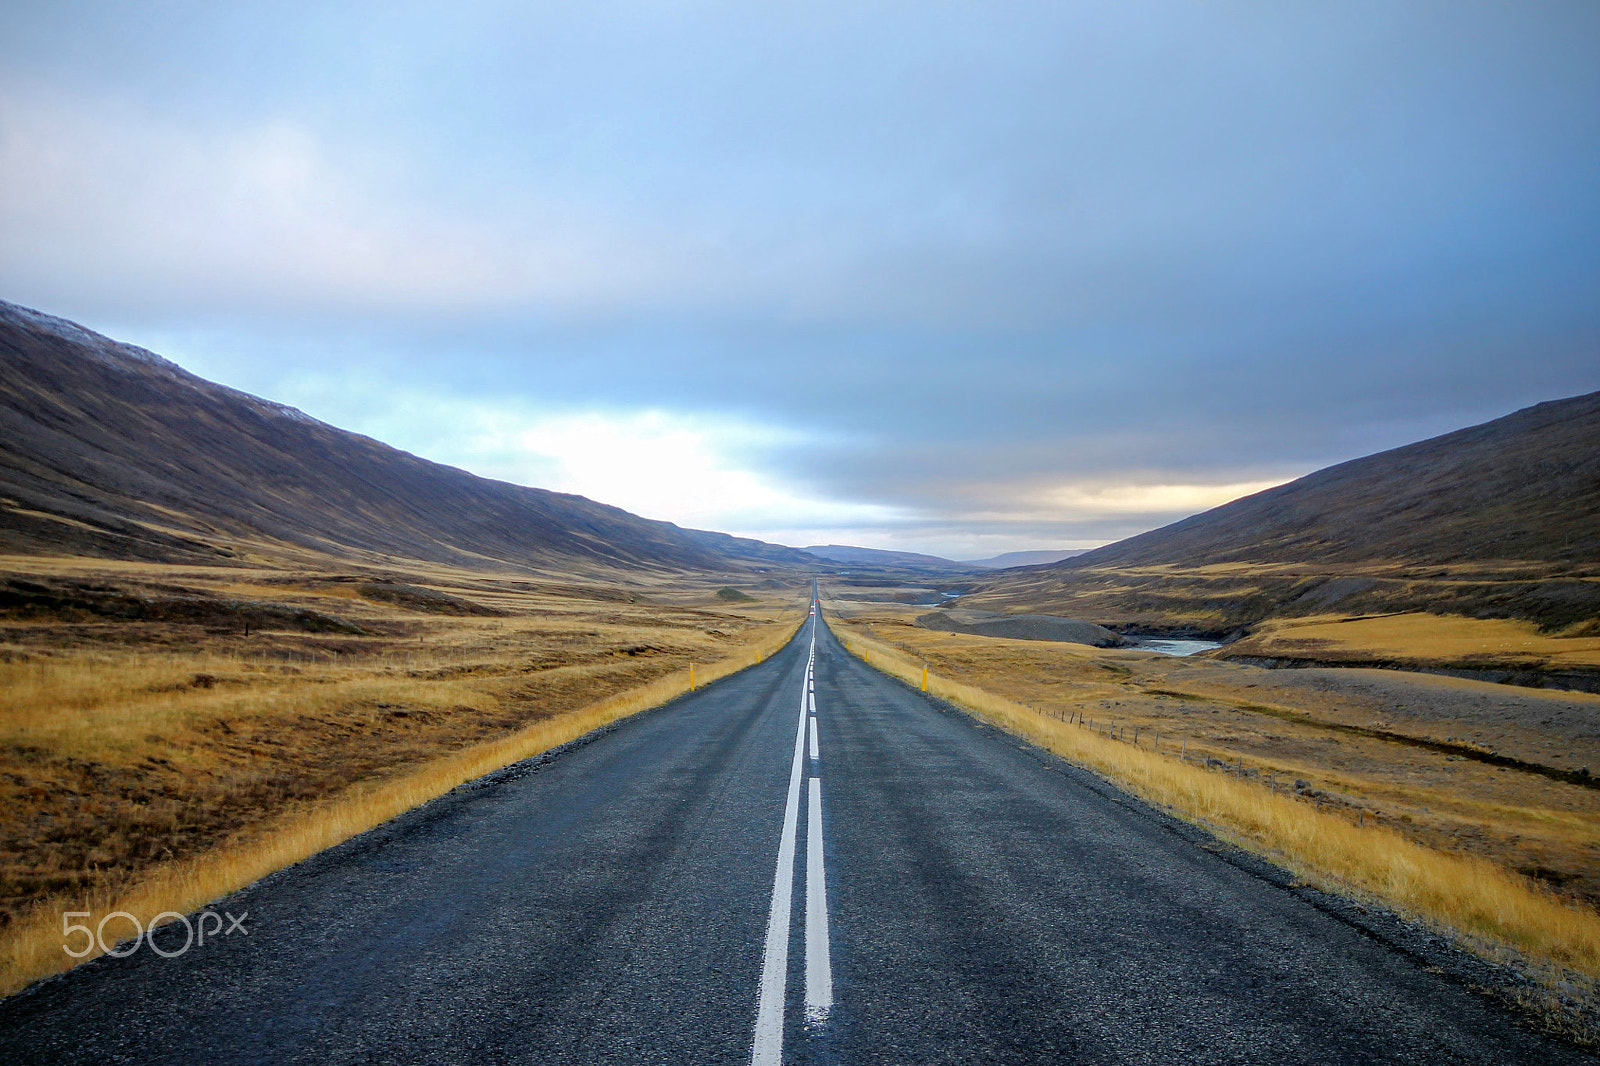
<point>107,449</point>
<point>1523,487</point>
<point>1500,520</point>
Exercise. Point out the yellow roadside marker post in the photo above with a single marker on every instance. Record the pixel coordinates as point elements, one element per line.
<point>924,677</point>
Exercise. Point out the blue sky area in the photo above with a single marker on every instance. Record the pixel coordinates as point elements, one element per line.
<point>957,278</point>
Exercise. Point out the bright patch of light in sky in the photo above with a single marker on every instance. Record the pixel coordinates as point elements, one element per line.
<point>686,469</point>
<point>1116,499</point>
<point>698,470</point>
<point>660,464</point>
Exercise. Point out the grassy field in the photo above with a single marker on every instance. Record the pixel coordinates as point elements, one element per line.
<point>1431,639</point>
<point>1557,602</point>
<point>1506,859</point>
<point>157,749</point>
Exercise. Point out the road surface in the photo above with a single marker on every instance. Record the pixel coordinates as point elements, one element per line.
<point>760,873</point>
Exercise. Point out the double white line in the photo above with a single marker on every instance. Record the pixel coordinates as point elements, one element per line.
<point>768,1046</point>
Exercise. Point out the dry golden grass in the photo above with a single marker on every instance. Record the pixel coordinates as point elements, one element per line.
<point>152,766</point>
<point>1421,637</point>
<point>1478,900</point>
<point>1562,599</point>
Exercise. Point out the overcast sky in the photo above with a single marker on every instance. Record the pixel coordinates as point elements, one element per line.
<point>960,278</point>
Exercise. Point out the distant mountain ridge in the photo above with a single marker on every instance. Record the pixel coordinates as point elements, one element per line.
<point>850,555</point>
<point>108,449</point>
<point>1041,557</point>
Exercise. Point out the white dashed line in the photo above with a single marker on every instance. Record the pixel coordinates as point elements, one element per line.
<point>819,967</point>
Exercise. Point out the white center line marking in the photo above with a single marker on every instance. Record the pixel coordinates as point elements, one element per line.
<point>816,752</point>
<point>767,1048</point>
<point>819,966</point>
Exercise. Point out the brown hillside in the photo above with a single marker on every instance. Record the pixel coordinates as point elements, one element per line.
<point>109,450</point>
<point>1526,486</point>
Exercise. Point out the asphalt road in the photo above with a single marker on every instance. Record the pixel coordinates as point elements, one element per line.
<point>653,897</point>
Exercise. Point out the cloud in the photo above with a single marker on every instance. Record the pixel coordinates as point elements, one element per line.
<point>269,215</point>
